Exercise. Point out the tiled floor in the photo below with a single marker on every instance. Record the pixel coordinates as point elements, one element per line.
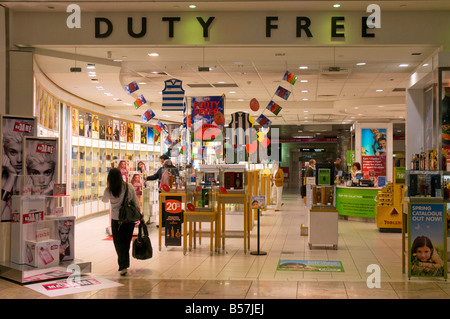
<point>233,274</point>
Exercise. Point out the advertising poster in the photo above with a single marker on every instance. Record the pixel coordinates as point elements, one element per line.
<point>137,133</point>
<point>95,126</point>
<point>13,128</point>
<point>207,116</point>
<point>116,130</point>
<point>258,202</point>
<point>427,240</point>
<point>373,151</point>
<point>101,128</point>
<point>74,121</point>
<point>123,131</point>
<point>109,130</point>
<point>174,218</point>
<point>81,121</point>
<point>150,136</point>
<point>143,134</point>
<point>88,125</point>
<point>41,165</point>
<point>130,132</point>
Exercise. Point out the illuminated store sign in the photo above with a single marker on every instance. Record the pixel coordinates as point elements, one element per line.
<point>104,27</point>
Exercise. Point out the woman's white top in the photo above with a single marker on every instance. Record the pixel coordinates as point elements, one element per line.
<point>116,202</point>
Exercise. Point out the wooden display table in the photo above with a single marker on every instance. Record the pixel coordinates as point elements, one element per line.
<point>234,198</point>
<point>192,217</point>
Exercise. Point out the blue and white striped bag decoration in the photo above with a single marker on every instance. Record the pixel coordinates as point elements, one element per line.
<point>173,96</point>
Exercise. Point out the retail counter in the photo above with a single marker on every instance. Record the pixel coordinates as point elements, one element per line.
<point>357,201</point>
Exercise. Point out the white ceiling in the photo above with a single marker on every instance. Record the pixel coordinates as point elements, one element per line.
<point>245,72</point>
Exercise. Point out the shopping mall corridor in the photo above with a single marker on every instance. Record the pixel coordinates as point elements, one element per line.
<point>234,274</point>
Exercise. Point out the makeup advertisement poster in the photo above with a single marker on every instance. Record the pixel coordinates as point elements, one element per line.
<point>373,151</point>
<point>13,128</point>
<point>41,165</point>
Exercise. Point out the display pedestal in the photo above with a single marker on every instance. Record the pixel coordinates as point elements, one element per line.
<point>26,274</point>
<point>258,252</point>
<point>323,227</point>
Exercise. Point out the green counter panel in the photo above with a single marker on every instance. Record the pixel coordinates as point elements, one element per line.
<point>356,201</point>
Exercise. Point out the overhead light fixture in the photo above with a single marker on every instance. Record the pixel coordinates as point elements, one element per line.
<point>192,6</point>
<point>304,91</point>
<point>336,5</point>
<point>304,81</point>
<point>379,90</point>
<point>361,63</point>
<point>92,73</point>
<point>90,66</point>
<point>403,65</point>
<point>303,67</point>
<point>153,54</point>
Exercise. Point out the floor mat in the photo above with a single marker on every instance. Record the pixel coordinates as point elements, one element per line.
<point>310,265</point>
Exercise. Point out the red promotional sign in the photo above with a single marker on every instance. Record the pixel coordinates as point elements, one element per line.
<point>173,206</point>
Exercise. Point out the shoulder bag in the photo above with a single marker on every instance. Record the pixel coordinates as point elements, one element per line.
<point>128,212</point>
<point>142,246</point>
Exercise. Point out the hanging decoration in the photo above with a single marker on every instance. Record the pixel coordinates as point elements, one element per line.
<point>173,96</point>
<point>273,107</point>
<point>254,105</point>
<point>290,77</point>
<point>148,115</point>
<point>131,87</point>
<point>139,102</point>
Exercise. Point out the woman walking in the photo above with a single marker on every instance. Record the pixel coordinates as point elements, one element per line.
<point>122,232</point>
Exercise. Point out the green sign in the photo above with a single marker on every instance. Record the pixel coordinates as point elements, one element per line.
<point>324,176</point>
<point>356,202</point>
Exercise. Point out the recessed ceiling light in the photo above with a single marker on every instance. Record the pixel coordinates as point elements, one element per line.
<point>232,92</point>
<point>100,88</point>
<point>153,54</point>
<point>117,60</point>
<point>303,67</point>
<point>192,6</point>
<point>304,91</point>
<point>92,74</point>
<point>305,111</point>
<point>426,64</point>
<point>142,83</point>
<point>305,99</point>
<point>379,90</point>
<point>337,5</point>
<point>403,65</point>
<point>117,99</point>
<point>361,63</point>
<point>90,66</point>
<point>304,81</point>
<point>108,94</point>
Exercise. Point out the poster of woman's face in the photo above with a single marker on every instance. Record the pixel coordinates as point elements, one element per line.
<point>13,129</point>
<point>41,158</point>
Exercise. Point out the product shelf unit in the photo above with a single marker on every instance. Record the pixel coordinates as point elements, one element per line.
<point>93,155</point>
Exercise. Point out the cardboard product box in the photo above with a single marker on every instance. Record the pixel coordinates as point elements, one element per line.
<point>42,254</point>
<point>62,229</point>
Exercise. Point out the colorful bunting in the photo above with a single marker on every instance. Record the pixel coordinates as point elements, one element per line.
<point>273,107</point>
<point>263,121</point>
<point>131,87</point>
<point>282,92</point>
<point>148,115</point>
<point>289,77</point>
<point>139,102</point>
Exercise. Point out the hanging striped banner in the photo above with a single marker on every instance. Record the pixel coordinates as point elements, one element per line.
<point>173,96</point>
